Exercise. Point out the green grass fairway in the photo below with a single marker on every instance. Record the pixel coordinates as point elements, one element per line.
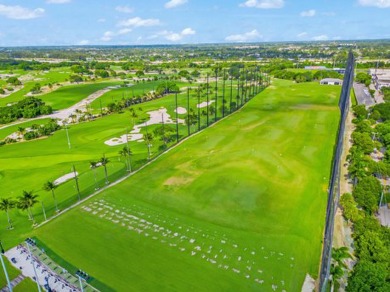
<point>26,285</point>
<point>238,207</point>
<point>12,272</point>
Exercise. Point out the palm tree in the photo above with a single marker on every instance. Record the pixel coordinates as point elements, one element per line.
<point>26,202</point>
<point>339,255</point>
<point>126,153</point>
<point>103,161</point>
<point>51,186</point>
<point>6,205</point>
<point>148,138</point>
<point>93,165</point>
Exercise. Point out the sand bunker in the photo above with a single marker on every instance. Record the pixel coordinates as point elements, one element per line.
<point>65,178</point>
<point>181,110</point>
<point>204,104</point>
<point>156,117</point>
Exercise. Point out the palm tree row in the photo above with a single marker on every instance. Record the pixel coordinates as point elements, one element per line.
<point>24,202</point>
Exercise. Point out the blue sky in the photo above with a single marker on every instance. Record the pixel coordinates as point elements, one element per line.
<point>121,22</point>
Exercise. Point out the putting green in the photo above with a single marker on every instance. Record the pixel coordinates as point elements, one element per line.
<point>240,206</point>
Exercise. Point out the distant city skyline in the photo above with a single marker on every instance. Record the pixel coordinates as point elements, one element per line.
<point>120,22</point>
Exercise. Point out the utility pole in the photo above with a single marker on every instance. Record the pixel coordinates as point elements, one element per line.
<point>4,268</point>
<point>32,262</point>
<point>77,182</point>
<point>67,134</point>
<point>177,122</point>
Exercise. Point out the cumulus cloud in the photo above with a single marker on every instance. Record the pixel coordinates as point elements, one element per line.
<point>108,35</point>
<point>263,4</point>
<point>174,3</point>
<point>176,36</point>
<point>375,3</point>
<point>57,1</point>
<point>322,37</point>
<point>188,31</point>
<point>308,13</point>
<point>138,22</point>
<point>19,12</point>
<point>245,37</point>
<point>124,9</point>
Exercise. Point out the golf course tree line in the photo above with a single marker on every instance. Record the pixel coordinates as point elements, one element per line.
<point>34,132</point>
<point>29,107</point>
<point>24,203</point>
<point>368,163</point>
<point>30,198</point>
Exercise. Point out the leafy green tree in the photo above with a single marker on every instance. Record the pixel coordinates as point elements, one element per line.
<point>14,81</point>
<point>367,192</point>
<point>368,277</point>
<point>360,111</point>
<point>370,247</point>
<point>6,205</point>
<point>349,206</point>
<point>51,186</point>
<point>363,141</point>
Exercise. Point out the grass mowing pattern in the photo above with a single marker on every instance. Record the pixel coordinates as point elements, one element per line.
<point>252,188</point>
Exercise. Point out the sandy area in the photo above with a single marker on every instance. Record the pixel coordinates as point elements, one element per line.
<point>309,284</point>
<point>65,178</point>
<point>204,104</point>
<point>156,117</point>
<point>181,110</point>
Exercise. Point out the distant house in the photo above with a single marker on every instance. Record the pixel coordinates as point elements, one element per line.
<point>331,81</point>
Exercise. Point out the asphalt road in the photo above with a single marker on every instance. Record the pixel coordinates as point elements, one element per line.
<point>363,95</point>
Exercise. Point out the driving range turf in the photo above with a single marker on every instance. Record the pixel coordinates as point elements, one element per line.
<point>239,206</point>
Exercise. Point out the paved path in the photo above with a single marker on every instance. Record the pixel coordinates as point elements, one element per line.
<point>363,95</point>
<point>14,283</point>
<point>65,113</point>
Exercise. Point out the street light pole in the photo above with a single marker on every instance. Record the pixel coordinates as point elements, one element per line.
<point>32,262</point>
<point>44,212</point>
<point>4,268</point>
<point>81,284</point>
<point>67,135</point>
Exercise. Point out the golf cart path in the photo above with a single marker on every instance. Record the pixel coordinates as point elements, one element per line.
<point>65,113</point>
<point>13,283</point>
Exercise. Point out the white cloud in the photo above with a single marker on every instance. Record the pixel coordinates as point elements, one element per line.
<point>124,31</point>
<point>188,31</point>
<point>57,1</point>
<point>263,4</point>
<point>107,36</point>
<point>174,36</point>
<point>302,34</point>
<point>375,3</point>
<point>174,3</point>
<point>19,12</point>
<point>322,37</point>
<point>308,13</point>
<point>245,37</point>
<point>124,9</point>
<point>138,22</point>
<point>83,42</point>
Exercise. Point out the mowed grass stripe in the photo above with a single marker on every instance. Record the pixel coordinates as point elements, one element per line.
<point>257,180</point>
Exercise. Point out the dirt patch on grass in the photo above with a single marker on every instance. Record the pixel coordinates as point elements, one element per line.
<point>314,107</point>
<point>178,181</point>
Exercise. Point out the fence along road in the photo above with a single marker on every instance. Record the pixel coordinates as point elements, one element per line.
<point>334,183</point>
